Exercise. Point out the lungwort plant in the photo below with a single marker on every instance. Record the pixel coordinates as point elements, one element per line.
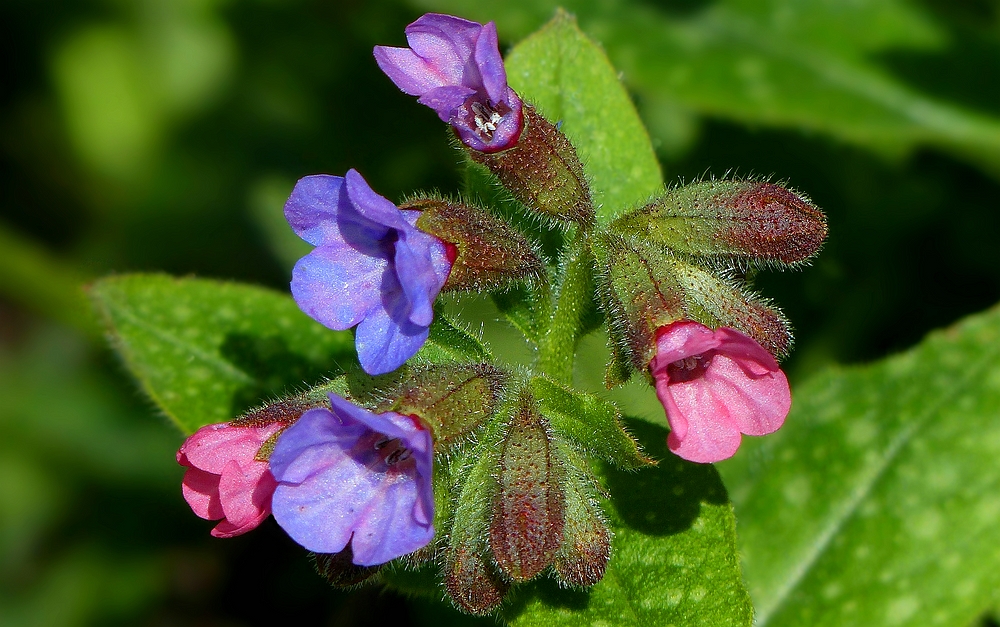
<point>414,457</point>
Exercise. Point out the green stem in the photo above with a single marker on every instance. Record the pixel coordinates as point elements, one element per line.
<point>572,303</point>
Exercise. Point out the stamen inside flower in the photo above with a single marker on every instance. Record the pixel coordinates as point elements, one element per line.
<point>392,451</point>
<point>485,116</point>
<point>689,368</point>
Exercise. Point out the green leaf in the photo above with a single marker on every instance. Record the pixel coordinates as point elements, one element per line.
<point>569,78</point>
<point>877,502</point>
<point>807,65</point>
<point>205,350</point>
<point>448,341</point>
<point>673,560</point>
<point>590,422</point>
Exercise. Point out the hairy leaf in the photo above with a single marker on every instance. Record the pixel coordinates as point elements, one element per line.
<point>569,78</point>
<point>206,350</point>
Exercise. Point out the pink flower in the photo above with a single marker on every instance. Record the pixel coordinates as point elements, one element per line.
<point>224,479</point>
<point>715,385</point>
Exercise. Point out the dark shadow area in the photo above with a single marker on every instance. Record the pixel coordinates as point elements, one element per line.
<point>666,499</point>
<point>276,369</point>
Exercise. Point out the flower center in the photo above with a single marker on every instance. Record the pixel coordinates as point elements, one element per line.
<point>688,368</point>
<point>484,117</point>
<point>392,451</point>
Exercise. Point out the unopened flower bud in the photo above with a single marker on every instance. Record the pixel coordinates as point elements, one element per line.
<point>528,507</point>
<point>452,399</point>
<point>582,557</point>
<point>543,172</point>
<point>486,252</point>
<point>752,220</point>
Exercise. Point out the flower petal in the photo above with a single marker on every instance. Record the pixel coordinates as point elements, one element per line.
<point>213,446</point>
<point>410,73</point>
<point>312,208</point>
<point>680,340</point>
<point>417,276</point>
<point>371,206</point>
<point>302,447</point>
<point>757,403</point>
<point>201,491</point>
<point>414,436</point>
<point>388,529</point>
<point>446,43</point>
<point>338,286</point>
<point>245,490</point>
<point>385,340</point>
<point>446,100</point>
<point>701,429</point>
<point>490,63</point>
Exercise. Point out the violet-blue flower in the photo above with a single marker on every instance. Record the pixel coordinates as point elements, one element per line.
<point>455,68</point>
<point>347,475</point>
<point>371,267</point>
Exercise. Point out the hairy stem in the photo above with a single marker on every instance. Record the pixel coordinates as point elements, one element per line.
<point>572,304</point>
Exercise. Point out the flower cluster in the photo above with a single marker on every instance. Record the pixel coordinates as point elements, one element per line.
<point>353,481</point>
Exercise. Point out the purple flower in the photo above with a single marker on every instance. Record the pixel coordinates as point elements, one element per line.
<point>455,67</point>
<point>349,475</point>
<point>372,267</point>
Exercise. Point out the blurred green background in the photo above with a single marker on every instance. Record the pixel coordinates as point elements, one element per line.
<point>153,135</point>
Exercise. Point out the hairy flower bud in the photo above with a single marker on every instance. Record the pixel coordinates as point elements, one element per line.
<point>528,507</point>
<point>543,172</point>
<point>753,220</point>
<point>643,287</point>
<point>488,253</point>
<point>470,577</point>
<point>452,399</point>
<point>585,548</point>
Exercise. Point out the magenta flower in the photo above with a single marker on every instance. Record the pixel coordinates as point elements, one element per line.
<point>455,67</point>
<point>349,475</point>
<point>371,267</point>
<point>715,385</point>
<point>224,479</point>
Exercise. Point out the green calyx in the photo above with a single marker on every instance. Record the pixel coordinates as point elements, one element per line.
<point>489,253</point>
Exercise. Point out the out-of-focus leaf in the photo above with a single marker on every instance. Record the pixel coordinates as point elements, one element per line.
<point>266,201</point>
<point>31,276</point>
<point>205,350</point>
<point>571,81</point>
<point>804,65</point>
<point>673,560</point>
<point>120,86</point>
<point>877,502</point>
<point>86,587</point>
